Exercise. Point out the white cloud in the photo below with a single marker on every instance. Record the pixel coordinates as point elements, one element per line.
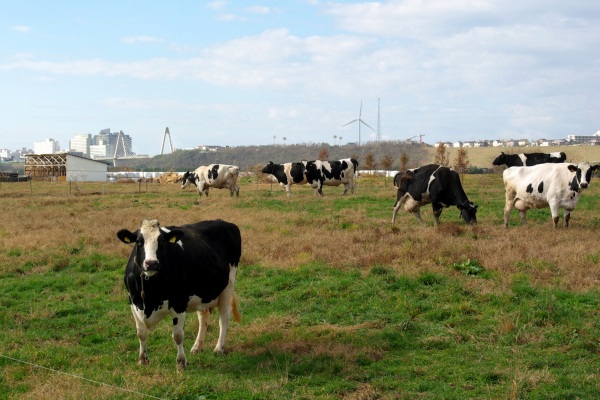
<point>217,5</point>
<point>258,10</point>
<point>140,39</point>
<point>21,28</point>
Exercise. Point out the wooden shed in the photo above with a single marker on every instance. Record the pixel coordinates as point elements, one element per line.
<point>64,167</point>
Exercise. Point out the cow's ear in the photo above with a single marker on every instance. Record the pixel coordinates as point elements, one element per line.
<point>572,168</point>
<point>595,167</point>
<point>174,236</point>
<point>126,237</point>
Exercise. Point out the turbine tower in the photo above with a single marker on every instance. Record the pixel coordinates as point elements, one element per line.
<point>167,133</point>
<point>360,121</point>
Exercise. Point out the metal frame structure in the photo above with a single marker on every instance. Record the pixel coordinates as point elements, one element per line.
<point>46,166</point>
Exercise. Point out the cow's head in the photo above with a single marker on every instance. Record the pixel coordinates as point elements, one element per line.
<point>501,159</point>
<point>583,175</point>
<point>468,212</point>
<point>188,177</point>
<point>269,168</point>
<point>151,244</point>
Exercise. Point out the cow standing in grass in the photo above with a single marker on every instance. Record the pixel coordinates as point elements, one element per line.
<point>545,185</point>
<point>433,184</point>
<point>287,174</point>
<point>529,159</point>
<point>177,269</point>
<point>219,176</point>
<point>332,173</point>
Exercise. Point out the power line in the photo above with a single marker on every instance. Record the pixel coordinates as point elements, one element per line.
<point>82,378</point>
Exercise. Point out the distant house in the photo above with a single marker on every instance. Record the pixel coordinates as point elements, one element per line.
<point>457,144</point>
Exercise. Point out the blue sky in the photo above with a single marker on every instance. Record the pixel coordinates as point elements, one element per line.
<point>241,72</point>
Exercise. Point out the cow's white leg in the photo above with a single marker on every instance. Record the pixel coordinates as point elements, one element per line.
<point>400,203</point>
<point>508,205</point>
<point>554,208</point>
<point>142,334</point>
<point>417,213</point>
<point>178,335</point>
<point>523,215</point>
<point>346,188</point>
<point>225,310</point>
<point>203,321</point>
<point>396,208</point>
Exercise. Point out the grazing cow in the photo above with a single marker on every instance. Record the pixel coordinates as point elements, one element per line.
<point>331,173</point>
<point>545,185</point>
<point>219,176</point>
<point>433,184</point>
<point>529,159</point>
<point>287,174</point>
<point>177,269</point>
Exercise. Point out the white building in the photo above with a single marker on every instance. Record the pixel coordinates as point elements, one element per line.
<point>6,155</point>
<point>65,167</point>
<point>579,139</point>
<point>81,144</point>
<point>48,146</point>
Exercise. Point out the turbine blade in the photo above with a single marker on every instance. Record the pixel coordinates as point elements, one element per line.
<point>348,123</point>
<point>361,121</point>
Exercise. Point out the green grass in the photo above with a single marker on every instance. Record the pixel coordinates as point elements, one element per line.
<point>317,332</point>
<point>455,328</point>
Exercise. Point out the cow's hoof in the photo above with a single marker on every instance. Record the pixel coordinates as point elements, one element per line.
<point>144,361</point>
<point>196,350</point>
<point>219,351</point>
<point>181,364</point>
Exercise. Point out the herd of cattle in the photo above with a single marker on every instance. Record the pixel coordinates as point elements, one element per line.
<point>555,186</point>
<point>192,268</point>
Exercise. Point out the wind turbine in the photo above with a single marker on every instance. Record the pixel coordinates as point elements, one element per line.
<point>360,121</point>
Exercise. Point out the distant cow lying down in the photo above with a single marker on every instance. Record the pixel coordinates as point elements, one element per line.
<point>529,159</point>
<point>433,184</point>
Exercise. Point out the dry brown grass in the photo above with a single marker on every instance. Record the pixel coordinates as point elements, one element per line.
<point>40,226</point>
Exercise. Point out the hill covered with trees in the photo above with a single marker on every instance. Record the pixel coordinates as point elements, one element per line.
<point>376,155</point>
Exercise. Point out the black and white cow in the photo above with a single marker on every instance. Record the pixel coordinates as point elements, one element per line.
<point>287,174</point>
<point>177,269</point>
<point>433,184</point>
<point>331,173</point>
<point>545,185</point>
<point>219,176</point>
<point>529,159</point>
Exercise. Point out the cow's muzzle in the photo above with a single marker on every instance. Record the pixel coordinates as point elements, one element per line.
<point>151,266</point>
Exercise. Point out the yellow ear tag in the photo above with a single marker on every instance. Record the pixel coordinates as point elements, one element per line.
<point>127,240</point>
<point>173,239</point>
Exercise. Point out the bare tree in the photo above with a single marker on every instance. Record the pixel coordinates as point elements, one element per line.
<point>404,161</point>
<point>323,154</point>
<point>461,162</point>
<point>370,162</point>
<point>387,162</point>
<point>441,155</point>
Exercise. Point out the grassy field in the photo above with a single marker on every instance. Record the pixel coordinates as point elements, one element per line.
<point>336,303</point>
